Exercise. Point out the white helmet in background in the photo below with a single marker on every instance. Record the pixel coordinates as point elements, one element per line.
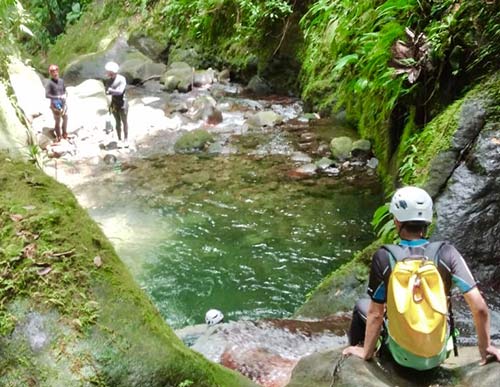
<point>213,316</point>
<point>411,204</point>
<point>112,67</point>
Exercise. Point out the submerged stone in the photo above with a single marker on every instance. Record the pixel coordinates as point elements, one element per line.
<point>193,141</point>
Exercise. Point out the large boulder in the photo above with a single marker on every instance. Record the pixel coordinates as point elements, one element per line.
<point>29,89</point>
<point>131,63</point>
<point>341,289</point>
<point>204,108</point>
<point>147,45</point>
<point>188,55</point>
<point>87,106</point>
<point>258,86</point>
<point>71,313</point>
<point>467,213</point>
<point>179,75</point>
<point>14,136</point>
<point>204,77</point>
<point>331,368</point>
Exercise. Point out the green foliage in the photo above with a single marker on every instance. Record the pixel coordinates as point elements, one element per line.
<point>94,32</point>
<point>383,224</point>
<point>422,147</point>
<point>214,19</point>
<point>465,34</point>
<point>408,165</point>
<point>37,156</point>
<point>49,18</point>
<point>13,20</point>
<point>347,61</point>
<point>232,30</point>
<point>348,43</point>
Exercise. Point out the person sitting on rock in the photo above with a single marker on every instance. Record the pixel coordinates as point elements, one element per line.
<point>119,106</point>
<point>412,211</point>
<point>56,92</point>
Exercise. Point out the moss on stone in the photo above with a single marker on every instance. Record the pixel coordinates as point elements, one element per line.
<point>421,148</point>
<point>100,328</point>
<point>340,290</point>
<point>98,27</point>
<point>193,141</point>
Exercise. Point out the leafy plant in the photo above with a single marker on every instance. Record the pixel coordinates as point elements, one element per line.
<point>49,18</point>
<point>13,23</point>
<point>74,14</point>
<point>408,165</point>
<point>347,61</point>
<point>383,224</point>
<point>225,24</point>
<point>37,156</point>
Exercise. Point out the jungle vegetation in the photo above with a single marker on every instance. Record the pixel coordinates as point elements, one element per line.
<point>391,65</point>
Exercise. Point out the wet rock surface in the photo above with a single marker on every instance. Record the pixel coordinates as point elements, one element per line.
<point>266,351</point>
<point>331,368</point>
<point>467,208</point>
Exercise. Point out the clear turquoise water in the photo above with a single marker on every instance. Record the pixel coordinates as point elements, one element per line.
<point>234,233</point>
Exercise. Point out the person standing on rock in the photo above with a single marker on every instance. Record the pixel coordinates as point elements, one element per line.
<point>119,106</point>
<point>56,92</point>
<point>412,211</point>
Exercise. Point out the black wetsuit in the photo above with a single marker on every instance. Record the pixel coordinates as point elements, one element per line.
<point>119,105</point>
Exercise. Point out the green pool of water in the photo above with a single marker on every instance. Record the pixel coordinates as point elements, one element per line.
<point>233,233</point>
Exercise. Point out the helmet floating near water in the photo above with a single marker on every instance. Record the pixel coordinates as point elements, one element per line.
<point>112,67</point>
<point>411,204</point>
<point>213,316</point>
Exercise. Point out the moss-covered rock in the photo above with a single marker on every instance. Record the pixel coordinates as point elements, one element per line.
<point>340,290</point>
<point>195,140</point>
<point>70,313</point>
<point>341,147</point>
<point>179,76</point>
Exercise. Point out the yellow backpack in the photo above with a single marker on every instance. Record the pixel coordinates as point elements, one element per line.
<point>417,309</point>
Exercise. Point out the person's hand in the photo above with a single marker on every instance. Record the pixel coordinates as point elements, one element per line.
<point>354,350</point>
<point>491,353</point>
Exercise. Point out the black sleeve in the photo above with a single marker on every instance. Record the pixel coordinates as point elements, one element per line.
<point>379,275</point>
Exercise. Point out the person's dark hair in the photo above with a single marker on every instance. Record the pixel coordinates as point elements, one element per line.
<point>415,227</point>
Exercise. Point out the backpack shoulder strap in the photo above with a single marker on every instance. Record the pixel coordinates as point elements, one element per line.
<point>396,253</point>
<point>431,251</point>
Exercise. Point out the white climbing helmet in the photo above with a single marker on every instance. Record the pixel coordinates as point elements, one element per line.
<point>112,67</point>
<point>411,204</point>
<point>213,316</point>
